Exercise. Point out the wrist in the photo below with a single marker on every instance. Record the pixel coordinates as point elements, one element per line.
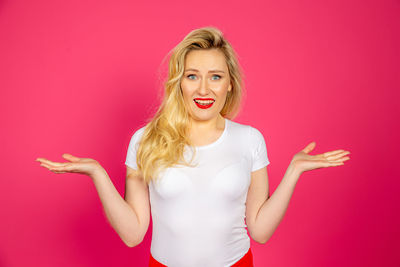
<point>99,173</point>
<point>293,171</point>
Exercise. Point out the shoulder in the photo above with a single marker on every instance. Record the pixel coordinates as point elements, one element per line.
<point>238,127</point>
<point>245,129</point>
<point>137,134</point>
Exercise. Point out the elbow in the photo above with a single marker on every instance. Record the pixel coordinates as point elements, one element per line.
<point>132,242</point>
<point>130,245</point>
<point>260,240</point>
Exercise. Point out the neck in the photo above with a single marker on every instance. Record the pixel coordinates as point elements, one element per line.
<point>213,124</point>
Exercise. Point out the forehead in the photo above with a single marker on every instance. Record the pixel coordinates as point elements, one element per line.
<point>205,59</point>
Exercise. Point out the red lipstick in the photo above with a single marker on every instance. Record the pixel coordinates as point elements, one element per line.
<point>204,103</point>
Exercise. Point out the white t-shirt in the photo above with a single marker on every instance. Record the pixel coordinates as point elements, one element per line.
<point>198,212</point>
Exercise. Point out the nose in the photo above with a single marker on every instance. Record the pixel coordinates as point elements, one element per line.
<point>203,87</point>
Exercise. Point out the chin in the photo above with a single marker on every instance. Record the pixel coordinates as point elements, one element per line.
<point>204,117</point>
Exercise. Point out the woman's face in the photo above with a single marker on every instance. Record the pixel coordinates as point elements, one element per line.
<point>205,83</point>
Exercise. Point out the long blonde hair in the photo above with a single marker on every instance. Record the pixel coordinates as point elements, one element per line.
<point>166,134</point>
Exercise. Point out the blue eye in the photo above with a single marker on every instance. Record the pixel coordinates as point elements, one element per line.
<point>219,77</point>
<point>191,75</point>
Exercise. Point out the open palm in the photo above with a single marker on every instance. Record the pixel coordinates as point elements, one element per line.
<point>303,161</point>
<point>85,166</point>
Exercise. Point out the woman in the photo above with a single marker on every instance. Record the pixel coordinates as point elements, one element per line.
<point>202,176</point>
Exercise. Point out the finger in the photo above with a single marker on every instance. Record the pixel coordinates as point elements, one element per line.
<point>70,157</point>
<point>49,167</point>
<point>55,171</point>
<point>51,163</point>
<point>332,164</point>
<point>60,169</point>
<point>42,160</point>
<point>339,160</point>
<point>330,153</point>
<point>338,155</point>
<point>326,164</point>
<point>309,147</point>
<point>64,167</point>
<point>43,164</point>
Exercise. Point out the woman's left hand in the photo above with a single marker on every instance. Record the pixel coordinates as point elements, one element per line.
<point>302,161</point>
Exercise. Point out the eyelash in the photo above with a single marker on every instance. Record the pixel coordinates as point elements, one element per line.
<point>219,77</point>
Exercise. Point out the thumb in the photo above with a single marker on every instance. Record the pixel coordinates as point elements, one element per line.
<point>309,147</point>
<point>70,157</point>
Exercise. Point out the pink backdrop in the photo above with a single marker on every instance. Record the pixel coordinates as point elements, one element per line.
<point>80,77</point>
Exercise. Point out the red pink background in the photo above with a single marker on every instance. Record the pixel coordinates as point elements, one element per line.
<point>80,77</point>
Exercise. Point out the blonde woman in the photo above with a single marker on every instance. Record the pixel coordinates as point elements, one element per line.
<point>200,175</point>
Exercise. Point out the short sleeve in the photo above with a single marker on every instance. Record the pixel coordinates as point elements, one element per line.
<point>259,150</point>
<point>132,149</point>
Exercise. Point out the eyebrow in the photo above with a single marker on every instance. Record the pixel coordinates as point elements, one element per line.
<point>208,71</point>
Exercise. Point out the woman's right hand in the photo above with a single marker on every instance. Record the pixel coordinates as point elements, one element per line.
<point>85,166</point>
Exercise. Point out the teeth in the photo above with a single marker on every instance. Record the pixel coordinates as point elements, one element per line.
<point>204,102</point>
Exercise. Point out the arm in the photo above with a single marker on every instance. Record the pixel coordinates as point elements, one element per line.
<point>265,214</point>
<point>273,208</point>
<point>130,217</point>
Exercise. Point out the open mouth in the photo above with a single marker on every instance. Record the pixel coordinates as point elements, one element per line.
<point>204,102</point>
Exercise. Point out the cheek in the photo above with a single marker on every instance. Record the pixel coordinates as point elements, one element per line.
<point>186,92</point>
<point>184,89</point>
<point>187,100</point>
<point>223,89</point>
<point>223,85</point>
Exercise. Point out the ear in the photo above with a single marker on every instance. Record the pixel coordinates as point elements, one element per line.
<point>230,87</point>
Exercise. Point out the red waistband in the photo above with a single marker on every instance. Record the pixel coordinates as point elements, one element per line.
<point>245,261</point>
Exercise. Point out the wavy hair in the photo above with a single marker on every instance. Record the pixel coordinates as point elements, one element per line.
<point>166,134</point>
